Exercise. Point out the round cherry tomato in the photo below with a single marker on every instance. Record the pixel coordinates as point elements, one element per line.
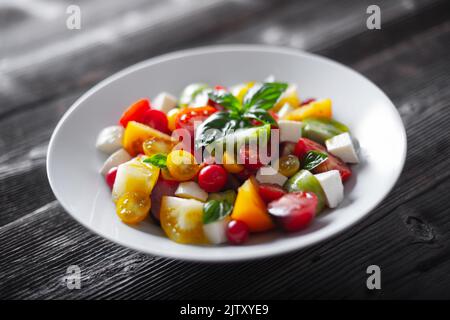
<point>181,165</point>
<point>111,177</point>
<point>270,192</point>
<point>288,165</point>
<point>212,178</point>
<point>237,232</point>
<point>133,207</point>
<point>156,119</point>
<point>294,211</point>
<point>135,112</point>
<point>187,117</point>
<point>172,117</point>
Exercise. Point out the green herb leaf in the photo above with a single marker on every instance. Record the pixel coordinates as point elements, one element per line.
<point>260,115</point>
<point>313,159</point>
<point>215,210</point>
<point>217,126</point>
<point>264,96</point>
<point>159,160</point>
<point>226,100</point>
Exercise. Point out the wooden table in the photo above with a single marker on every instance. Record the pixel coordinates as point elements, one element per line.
<point>44,67</point>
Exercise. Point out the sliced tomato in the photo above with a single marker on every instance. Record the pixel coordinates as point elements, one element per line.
<point>156,119</point>
<point>135,112</point>
<point>162,188</point>
<point>270,192</point>
<point>187,117</point>
<point>332,163</point>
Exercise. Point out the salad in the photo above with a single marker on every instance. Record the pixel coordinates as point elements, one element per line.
<point>218,164</point>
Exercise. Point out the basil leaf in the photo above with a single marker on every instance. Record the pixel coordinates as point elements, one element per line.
<point>313,159</point>
<point>215,210</point>
<point>264,96</point>
<point>225,99</point>
<point>260,115</point>
<point>217,126</point>
<point>159,160</point>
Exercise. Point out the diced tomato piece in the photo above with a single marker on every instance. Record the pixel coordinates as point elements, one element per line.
<point>162,188</point>
<point>305,145</point>
<point>157,120</point>
<point>135,112</point>
<point>270,192</point>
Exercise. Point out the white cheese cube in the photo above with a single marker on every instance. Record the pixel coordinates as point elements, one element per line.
<point>270,175</point>
<point>290,130</point>
<point>284,110</point>
<point>191,190</point>
<point>110,139</point>
<point>164,102</point>
<point>342,147</point>
<point>215,231</point>
<point>114,160</point>
<point>332,186</point>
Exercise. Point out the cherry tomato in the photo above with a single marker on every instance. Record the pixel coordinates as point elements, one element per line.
<point>181,165</point>
<point>135,112</point>
<point>288,165</point>
<point>287,148</point>
<point>111,177</point>
<point>133,207</point>
<point>230,164</point>
<point>237,232</point>
<point>172,117</point>
<point>154,145</point>
<point>270,192</point>
<point>156,119</point>
<point>304,145</point>
<point>294,211</point>
<point>187,117</point>
<point>212,178</point>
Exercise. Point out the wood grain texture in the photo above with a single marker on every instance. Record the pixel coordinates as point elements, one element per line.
<point>407,235</point>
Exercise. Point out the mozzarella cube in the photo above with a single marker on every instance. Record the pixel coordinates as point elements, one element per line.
<point>332,186</point>
<point>109,139</point>
<point>270,175</point>
<point>114,160</point>
<point>164,102</point>
<point>215,231</point>
<point>284,110</point>
<point>290,130</point>
<point>342,147</point>
<point>191,190</point>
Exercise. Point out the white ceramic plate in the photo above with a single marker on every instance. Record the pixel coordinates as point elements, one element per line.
<point>73,162</point>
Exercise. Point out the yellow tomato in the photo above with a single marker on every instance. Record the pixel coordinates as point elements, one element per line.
<point>133,207</point>
<point>182,165</point>
<point>316,109</point>
<point>154,145</point>
<point>172,117</point>
<point>241,91</point>
<point>136,133</point>
<point>289,96</point>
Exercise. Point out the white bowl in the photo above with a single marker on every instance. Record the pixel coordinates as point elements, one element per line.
<point>73,162</point>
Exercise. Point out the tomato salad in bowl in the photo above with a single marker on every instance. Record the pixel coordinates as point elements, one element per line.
<point>219,164</point>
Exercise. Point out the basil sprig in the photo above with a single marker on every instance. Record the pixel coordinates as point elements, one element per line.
<point>159,160</point>
<point>256,104</point>
<point>214,210</point>
<point>313,158</point>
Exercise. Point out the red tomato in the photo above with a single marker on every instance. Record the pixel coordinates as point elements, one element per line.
<point>162,188</point>
<point>294,211</point>
<point>218,87</point>
<point>188,116</point>
<point>237,232</point>
<point>156,119</point>
<point>135,112</point>
<point>270,192</point>
<point>212,178</point>
<point>332,163</point>
<point>111,177</point>
<point>249,157</point>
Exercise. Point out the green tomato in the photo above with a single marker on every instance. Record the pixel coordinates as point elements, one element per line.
<point>321,129</point>
<point>305,181</point>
